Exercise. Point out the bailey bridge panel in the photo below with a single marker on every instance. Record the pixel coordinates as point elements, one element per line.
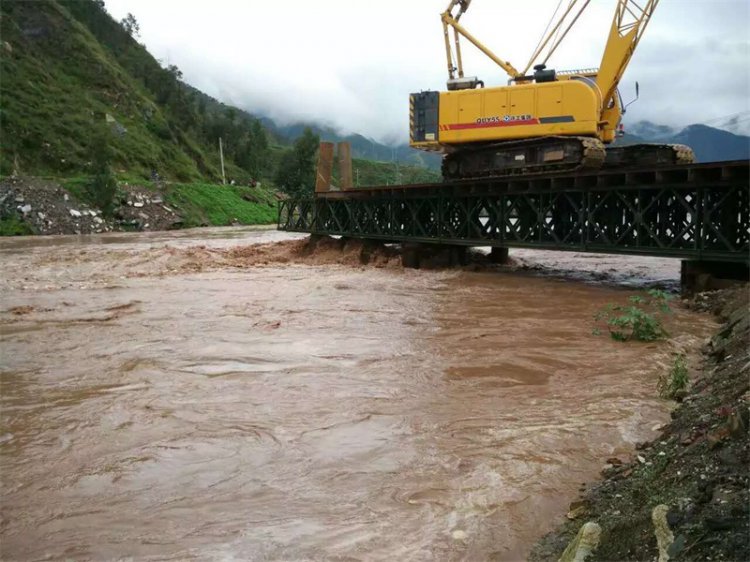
<point>697,212</point>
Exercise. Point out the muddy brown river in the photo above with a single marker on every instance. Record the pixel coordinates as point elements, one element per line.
<point>161,403</point>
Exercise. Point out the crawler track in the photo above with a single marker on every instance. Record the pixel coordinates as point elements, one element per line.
<point>645,155</point>
<point>525,157</point>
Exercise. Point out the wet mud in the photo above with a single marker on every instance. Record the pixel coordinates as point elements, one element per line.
<point>238,394</point>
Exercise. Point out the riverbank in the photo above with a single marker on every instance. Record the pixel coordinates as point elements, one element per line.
<point>697,467</point>
<point>30,205</point>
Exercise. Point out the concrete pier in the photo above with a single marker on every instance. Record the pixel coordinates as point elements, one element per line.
<point>697,276</point>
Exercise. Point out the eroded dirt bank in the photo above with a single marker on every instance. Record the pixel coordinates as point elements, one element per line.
<point>699,466</point>
<point>237,394</point>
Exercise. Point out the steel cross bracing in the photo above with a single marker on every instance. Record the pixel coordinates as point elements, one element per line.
<point>699,211</point>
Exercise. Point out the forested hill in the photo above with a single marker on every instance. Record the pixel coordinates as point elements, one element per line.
<point>68,70</point>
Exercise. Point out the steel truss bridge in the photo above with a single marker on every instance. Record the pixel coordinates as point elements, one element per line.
<point>697,212</point>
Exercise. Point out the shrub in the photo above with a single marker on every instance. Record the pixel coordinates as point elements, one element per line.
<point>102,188</point>
<point>638,320</point>
<point>12,226</point>
<point>675,381</point>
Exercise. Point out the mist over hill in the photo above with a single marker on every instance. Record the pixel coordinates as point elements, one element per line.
<point>709,143</point>
<point>362,146</point>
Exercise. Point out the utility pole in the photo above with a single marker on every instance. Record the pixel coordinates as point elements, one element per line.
<point>221,156</point>
<point>395,162</point>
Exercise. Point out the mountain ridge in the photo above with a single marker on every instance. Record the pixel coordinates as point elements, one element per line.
<point>362,146</point>
<point>710,144</point>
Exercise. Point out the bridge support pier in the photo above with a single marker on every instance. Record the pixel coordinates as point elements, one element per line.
<point>498,255</point>
<point>427,256</point>
<point>697,276</point>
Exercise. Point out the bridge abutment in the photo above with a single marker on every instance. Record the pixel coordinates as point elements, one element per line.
<point>697,275</point>
<point>428,256</point>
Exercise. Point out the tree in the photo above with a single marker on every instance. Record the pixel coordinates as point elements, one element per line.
<point>103,186</point>
<point>174,70</point>
<point>296,172</point>
<point>259,135</point>
<point>253,151</point>
<point>130,25</point>
<point>260,146</point>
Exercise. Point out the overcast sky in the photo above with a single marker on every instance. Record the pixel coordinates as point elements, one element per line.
<point>353,63</point>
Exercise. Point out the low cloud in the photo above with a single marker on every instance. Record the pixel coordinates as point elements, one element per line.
<point>353,64</point>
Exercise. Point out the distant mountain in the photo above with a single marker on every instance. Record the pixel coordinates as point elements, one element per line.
<point>713,145</point>
<point>362,147</point>
<point>649,130</point>
<point>70,71</point>
<point>709,143</point>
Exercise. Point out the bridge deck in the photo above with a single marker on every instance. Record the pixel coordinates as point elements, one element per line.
<point>698,211</point>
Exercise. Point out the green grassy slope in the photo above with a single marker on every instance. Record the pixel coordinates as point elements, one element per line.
<point>202,204</point>
<point>58,83</point>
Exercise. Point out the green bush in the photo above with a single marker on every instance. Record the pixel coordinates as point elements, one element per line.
<point>11,226</point>
<point>101,190</point>
<point>639,320</point>
<point>632,323</point>
<point>671,384</point>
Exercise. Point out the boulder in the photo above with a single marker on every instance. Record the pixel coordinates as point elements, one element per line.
<point>664,536</point>
<point>584,543</point>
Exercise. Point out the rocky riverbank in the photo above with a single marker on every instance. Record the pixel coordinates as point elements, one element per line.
<point>697,468</point>
<point>47,207</point>
<point>30,205</point>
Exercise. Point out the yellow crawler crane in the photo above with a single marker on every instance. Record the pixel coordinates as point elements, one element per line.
<point>543,121</point>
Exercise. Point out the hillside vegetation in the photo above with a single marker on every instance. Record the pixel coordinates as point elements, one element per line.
<point>69,71</point>
<point>369,173</point>
<point>206,204</point>
<point>60,83</point>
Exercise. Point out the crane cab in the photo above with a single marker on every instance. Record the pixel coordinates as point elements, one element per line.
<point>546,106</point>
